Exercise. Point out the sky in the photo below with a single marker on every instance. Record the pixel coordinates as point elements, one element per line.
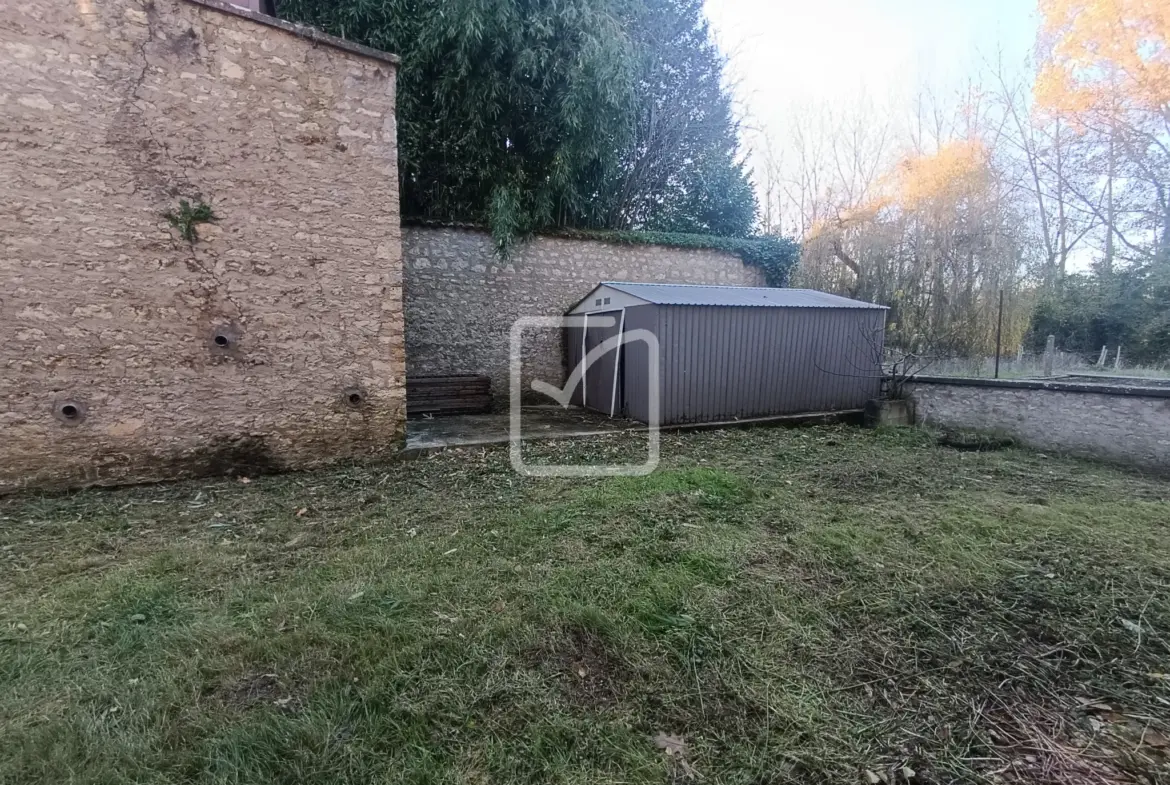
<point>788,53</point>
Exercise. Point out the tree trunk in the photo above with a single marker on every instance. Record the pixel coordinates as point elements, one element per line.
<point>848,261</point>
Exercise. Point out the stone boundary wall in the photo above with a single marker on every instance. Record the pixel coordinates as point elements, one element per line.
<point>1121,423</point>
<point>275,340</point>
<point>461,299</point>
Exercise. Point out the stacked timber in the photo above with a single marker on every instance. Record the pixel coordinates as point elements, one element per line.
<point>439,395</point>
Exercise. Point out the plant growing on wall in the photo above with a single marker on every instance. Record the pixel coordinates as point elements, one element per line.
<point>774,256</point>
<point>188,216</point>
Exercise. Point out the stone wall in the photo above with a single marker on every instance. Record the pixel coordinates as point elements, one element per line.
<point>461,299</point>
<point>1125,424</point>
<point>111,112</point>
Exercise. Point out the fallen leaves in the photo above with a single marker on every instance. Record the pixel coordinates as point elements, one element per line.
<point>297,541</point>
<point>884,777</point>
<point>670,744</point>
<point>1155,738</point>
<point>676,752</point>
<point>1132,729</point>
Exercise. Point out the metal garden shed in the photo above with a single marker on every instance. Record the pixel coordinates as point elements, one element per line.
<point>725,352</point>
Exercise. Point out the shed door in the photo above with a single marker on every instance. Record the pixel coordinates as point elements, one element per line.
<point>597,390</point>
<point>601,373</point>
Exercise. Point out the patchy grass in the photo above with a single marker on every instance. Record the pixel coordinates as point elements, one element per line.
<point>818,605</point>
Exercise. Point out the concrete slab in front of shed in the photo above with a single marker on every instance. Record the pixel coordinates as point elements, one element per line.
<point>554,422</point>
<point>538,422</point>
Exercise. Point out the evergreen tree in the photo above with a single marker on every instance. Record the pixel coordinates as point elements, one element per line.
<point>1129,307</point>
<point>531,114</point>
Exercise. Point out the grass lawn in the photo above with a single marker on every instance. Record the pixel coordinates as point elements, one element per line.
<point>813,605</point>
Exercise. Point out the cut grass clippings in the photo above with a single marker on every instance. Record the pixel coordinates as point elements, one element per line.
<point>811,605</point>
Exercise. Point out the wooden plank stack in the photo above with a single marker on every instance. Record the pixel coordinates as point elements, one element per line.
<point>440,395</point>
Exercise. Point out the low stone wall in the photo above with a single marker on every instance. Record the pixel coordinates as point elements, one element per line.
<point>131,353</point>
<point>1123,423</point>
<point>461,299</point>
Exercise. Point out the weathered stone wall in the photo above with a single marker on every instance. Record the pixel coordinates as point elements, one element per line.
<point>111,111</point>
<point>461,299</point>
<point>1118,424</point>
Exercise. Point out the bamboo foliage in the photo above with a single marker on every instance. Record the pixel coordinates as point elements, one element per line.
<point>532,114</point>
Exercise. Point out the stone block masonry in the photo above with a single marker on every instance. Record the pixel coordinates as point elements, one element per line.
<point>1123,424</point>
<point>461,298</point>
<point>275,340</point>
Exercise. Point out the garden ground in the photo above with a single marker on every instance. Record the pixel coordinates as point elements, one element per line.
<point>809,605</point>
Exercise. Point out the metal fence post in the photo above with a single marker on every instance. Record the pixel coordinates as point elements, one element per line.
<point>999,334</point>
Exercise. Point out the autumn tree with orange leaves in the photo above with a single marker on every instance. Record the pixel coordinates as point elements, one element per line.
<point>1016,184</point>
<point>1105,56</point>
<point>938,234</point>
<point>1107,71</point>
<point>1107,76</point>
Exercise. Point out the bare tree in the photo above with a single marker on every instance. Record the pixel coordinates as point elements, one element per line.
<point>1049,159</point>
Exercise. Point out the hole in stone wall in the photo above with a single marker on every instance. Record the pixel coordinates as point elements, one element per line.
<point>354,397</point>
<point>69,412</point>
<point>224,338</point>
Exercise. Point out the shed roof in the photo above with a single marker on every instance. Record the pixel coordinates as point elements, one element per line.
<point>690,294</point>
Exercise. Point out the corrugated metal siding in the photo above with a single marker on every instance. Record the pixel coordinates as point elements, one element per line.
<point>598,383</point>
<point>599,376</point>
<point>719,363</point>
<point>727,363</point>
<point>572,355</point>
<point>635,358</point>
